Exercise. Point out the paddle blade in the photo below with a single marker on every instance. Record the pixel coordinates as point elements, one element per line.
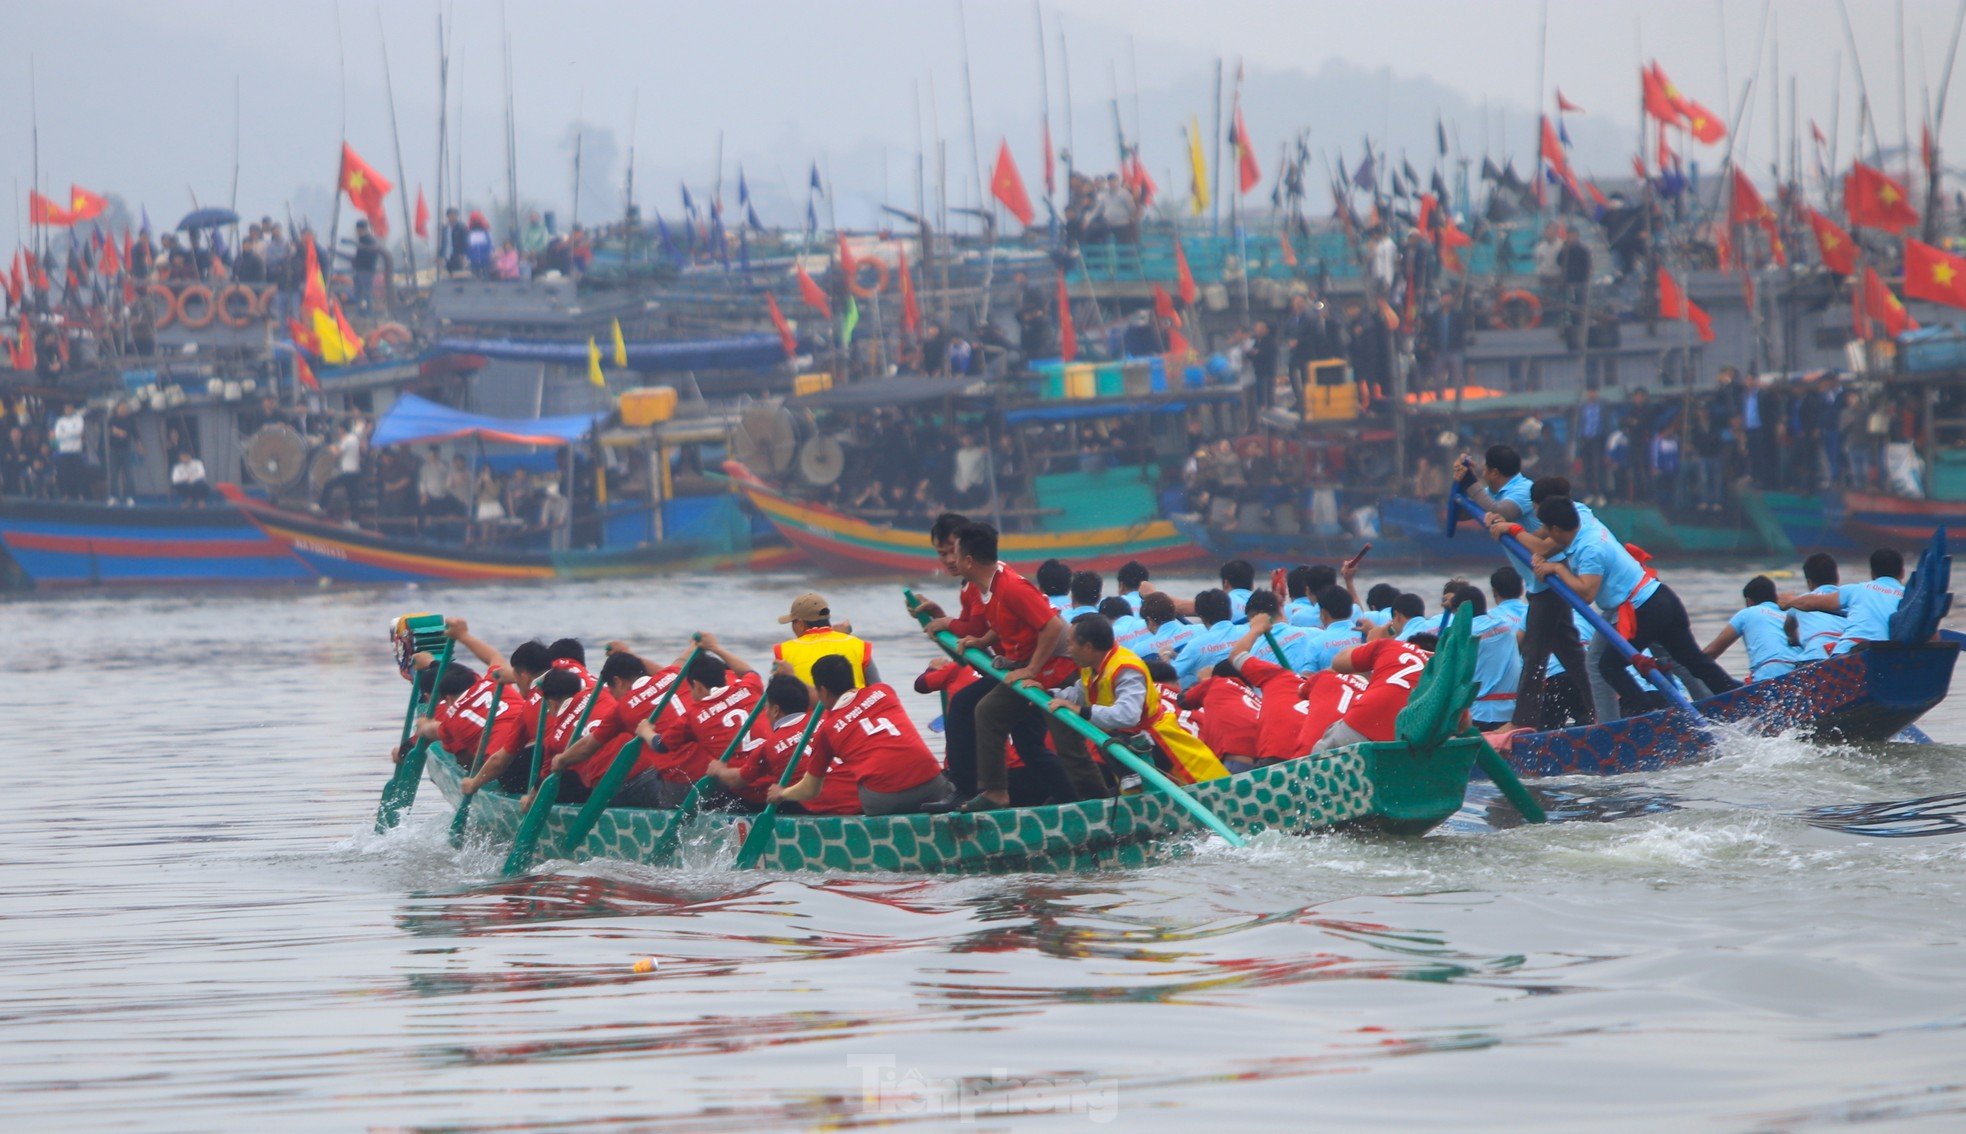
<point>519,859</point>
<point>460,821</point>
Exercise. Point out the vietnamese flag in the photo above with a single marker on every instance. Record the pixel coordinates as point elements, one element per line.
<point>1702,123</point>
<point>304,372</point>
<point>1008,187</point>
<point>422,224</point>
<point>365,188</point>
<point>1744,202</point>
<point>848,265</point>
<point>17,283</point>
<point>1552,152</point>
<point>1164,307</point>
<point>1183,278</point>
<point>1661,98</point>
<point>1068,339</point>
<point>84,205</point>
<point>1565,106</point>
<point>111,263</point>
<point>814,296</point>
<point>43,211</point>
<point>1673,304</point>
<point>785,335</point>
<point>1452,240</point>
<point>1882,306</point>
<point>1050,165</point>
<point>1875,201</point>
<point>1248,173</point>
<point>1833,244</point>
<point>1934,275</point>
<point>911,311</point>
<point>26,358</point>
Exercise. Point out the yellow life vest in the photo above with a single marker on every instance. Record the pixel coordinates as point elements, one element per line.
<point>809,647</point>
<point>1191,759</point>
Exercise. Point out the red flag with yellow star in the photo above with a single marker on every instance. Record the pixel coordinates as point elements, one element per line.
<point>365,188</point>
<point>1883,307</point>
<point>1876,201</point>
<point>84,205</point>
<point>1007,186</point>
<point>1934,275</point>
<point>1673,304</point>
<point>1833,244</point>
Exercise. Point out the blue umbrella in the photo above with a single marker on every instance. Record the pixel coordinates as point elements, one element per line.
<point>213,217</point>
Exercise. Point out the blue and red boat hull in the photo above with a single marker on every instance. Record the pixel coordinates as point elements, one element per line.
<point>59,544</point>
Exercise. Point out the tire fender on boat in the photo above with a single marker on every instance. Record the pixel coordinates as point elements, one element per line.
<point>1518,310</point>
<point>162,302</point>
<point>236,305</point>
<point>195,307</point>
<point>393,333</point>
<point>880,279</point>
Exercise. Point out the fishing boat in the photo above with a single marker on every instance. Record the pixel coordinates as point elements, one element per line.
<point>1868,695</point>
<point>66,544</point>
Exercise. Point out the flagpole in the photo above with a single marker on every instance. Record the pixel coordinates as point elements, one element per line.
<point>1044,115</point>
<point>1864,116</point>
<point>969,104</point>
<point>443,107</point>
<point>1215,134</point>
<point>1071,144</point>
<point>1904,106</point>
<point>1938,122</point>
<point>334,213</point>
<point>396,137</point>
<point>1542,76</point>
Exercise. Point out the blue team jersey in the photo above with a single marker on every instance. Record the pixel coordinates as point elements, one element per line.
<point>1297,643</point>
<point>1131,633</point>
<point>1210,645</point>
<point>1133,600</point>
<point>1239,604</point>
<point>1168,640</point>
<point>1763,628</point>
<point>1427,625</point>
<point>1820,632</point>
<point>1376,617</point>
<point>1331,641</point>
<point>1516,491</point>
<point>1867,608</point>
<point>1067,614</point>
<point>1624,577</point>
<point>1515,611</point>
<point>1303,612</point>
<point>1060,603</point>
<point>1498,668</point>
<point>1588,527</point>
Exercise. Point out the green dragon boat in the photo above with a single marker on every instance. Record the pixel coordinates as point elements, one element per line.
<point>1404,787</point>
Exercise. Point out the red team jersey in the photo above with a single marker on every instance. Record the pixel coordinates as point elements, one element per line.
<point>1394,667</point>
<point>461,723</point>
<point>1230,716</point>
<point>868,734</point>
<point>1328,696</point>
<point>618,727</point>
<point>706,728</point>
<point>765,753</point>
<point>1018,612</point>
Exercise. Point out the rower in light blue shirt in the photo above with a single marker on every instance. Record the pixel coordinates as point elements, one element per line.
<point>1866,607</point>
<point>1763,625</point>
<point>1500,486</point>
<point>1341,629</point>
<point>1498,662</point>
<point>1294,640</point>
<point>1129,629</point>
<point>1238,579</point>
<point>1819,626</point>
<point>1131,574</point>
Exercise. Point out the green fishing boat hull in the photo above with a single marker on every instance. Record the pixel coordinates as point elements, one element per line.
<point>1391,788</point>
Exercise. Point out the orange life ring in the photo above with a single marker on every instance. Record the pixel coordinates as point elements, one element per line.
<point>393,333</point>
<point>880,279</point>
<point>161,302</point>
<point>1518,310</point>
<point>201,317</point>
<point>236,304</point>
<point>263,306</point>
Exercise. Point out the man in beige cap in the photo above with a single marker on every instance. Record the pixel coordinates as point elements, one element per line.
<point>813,637</point>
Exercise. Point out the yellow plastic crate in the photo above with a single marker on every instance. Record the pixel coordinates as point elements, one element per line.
<point>647,405</point>
<point>1081,380</point>
<point>804,384</point>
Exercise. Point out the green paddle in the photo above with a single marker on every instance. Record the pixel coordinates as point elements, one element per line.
<point>624,760</point>
<point>1511,787</point>
<point>666,843</point>
<point>764,830</point>
<point>400,792</point>
<point>519,859</point>
<point>1093,735</point>
<point>478,761</point>
<point>1276,647</point>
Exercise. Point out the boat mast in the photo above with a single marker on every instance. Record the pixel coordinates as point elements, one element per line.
<point>396,140</point>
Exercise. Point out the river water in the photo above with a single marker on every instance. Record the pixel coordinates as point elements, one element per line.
<point>199,932</point>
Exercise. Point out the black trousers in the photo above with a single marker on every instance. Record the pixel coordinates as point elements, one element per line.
<point>1043,775</point>
<point>1663,627</point>
<point>1548,629</point>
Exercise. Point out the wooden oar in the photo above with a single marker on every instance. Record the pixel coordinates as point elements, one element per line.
<point>666,843</point>
<point>1094,735</point>
<point>400,792</point>
<point>764,830</point>
<point>463,815</point>
<point>624,760</point>
<point>545,794</point>
<point>1505,779</point>
<point>1638,661</point>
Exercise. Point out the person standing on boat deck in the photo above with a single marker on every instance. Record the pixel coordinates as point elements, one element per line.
<point>1866,607</point>
<point>1132,574</point>
<point>1209,644</point>
<point>1082,597</point>
<point>1549,631</point>
<point>763,755</point>
<point>813,637</point>
<point>1498,661</point>
<point>1115,693</point>
<point>1500,487</point>
<point>1005,614</point>
<point>1391,667</point>
<point>866,732</point>
<point>1819,625</point>
<point>634,691</point>
<point>722,689</point>
<point>1054,579</point>
<point>1764,627</point>
<point>368,254</point>
<point>1168,632</point>
<point>1646,611</point>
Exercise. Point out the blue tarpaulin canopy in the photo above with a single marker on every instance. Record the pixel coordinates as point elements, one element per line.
<point>414,420</point>
<point>740,352</point>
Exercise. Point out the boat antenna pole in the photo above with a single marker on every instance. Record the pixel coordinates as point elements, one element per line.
<point>511,135</point>
<point>443,97</point>
<point>579,138</point>
<point>634,122</point>
<point>969,104</point>
<point>1044,113</point>
<point>1938,121</point>
<point>396,138</point>
<point>1864,117</point>
<point>334,213</point>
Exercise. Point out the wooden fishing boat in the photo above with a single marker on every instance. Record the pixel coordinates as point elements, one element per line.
<point>1874,519</point>
<point>66,544</point>
<point>845,543</point>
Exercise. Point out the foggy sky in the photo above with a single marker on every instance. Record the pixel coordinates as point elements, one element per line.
<point>137,99</point>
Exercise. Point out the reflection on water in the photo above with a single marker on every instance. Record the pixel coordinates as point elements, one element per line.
<point>197,925</point>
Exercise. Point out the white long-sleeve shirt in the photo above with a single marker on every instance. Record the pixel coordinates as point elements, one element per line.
<point>1129,702</point>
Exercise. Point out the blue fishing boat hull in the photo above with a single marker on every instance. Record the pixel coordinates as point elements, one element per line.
<point>1867,695</point>
<point>60,544</point>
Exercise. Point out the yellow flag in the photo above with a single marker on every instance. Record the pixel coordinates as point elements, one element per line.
<point>594,374</point>
<point>1198,187</point>
<point>620,346</point>
<point>335,350</point>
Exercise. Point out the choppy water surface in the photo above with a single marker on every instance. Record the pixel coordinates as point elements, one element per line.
<point>198,931</point>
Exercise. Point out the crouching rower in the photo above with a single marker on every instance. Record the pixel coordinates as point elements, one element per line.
<point>633,692</point>
<point>866,732</point>
<point>1115,693</point>
<point>762,757</point>
<point>1296,710</point>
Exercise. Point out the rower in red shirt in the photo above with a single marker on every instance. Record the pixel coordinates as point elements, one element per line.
<point>508,756</point>
<point>1297,709</point>
<point>1003,613</point>
<point>1393,667</point>
<point>635,691</point>
<point>722,689</point>
<point>1227,715</point>
<point>867,733</point>
<point>773,738</point>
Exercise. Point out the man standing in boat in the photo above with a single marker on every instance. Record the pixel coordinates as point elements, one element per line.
<point>813,637</point>
<point>1115,693</point>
